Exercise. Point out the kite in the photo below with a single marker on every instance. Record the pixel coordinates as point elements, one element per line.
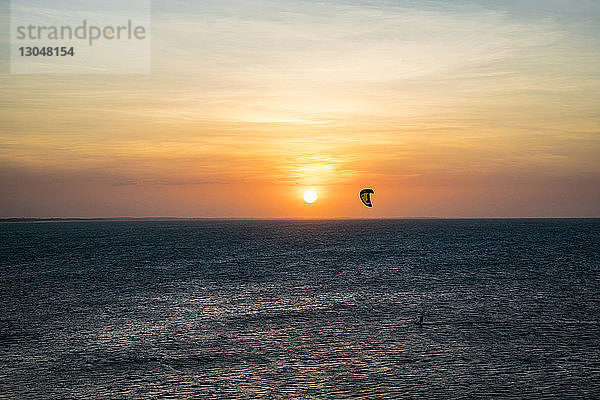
<point>365,197</point>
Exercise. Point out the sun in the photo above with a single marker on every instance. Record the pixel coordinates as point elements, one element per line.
<point>310,196</point>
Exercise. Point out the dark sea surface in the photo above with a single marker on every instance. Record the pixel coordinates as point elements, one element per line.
<point>300,309</point>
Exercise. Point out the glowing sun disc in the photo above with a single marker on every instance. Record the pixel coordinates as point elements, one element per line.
<point>310,196</point>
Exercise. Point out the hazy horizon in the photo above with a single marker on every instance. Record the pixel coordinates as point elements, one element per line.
<point>341,218</point>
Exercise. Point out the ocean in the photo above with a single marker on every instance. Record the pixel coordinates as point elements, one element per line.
<point>300,309</point>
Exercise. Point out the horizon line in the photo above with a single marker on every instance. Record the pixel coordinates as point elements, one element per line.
<point>345,218</point>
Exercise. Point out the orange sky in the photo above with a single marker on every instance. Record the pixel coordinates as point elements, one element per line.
<point>475,110</point>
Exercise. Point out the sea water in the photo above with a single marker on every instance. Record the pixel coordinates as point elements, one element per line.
<point>300,309</point>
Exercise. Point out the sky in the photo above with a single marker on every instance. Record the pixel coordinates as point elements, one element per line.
<point>445,109</point>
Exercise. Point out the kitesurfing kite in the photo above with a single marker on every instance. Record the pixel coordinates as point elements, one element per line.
<point>365,197</point>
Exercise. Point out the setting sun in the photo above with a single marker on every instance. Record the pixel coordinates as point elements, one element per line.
<point>310,196</point>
